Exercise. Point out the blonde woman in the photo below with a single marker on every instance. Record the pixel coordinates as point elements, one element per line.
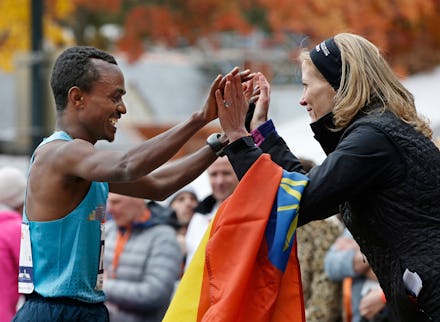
<point>382,168</point>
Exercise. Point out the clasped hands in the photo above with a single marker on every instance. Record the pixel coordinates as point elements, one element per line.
<point>236,91</point>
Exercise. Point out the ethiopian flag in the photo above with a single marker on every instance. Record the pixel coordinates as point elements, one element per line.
<point>246,268</point>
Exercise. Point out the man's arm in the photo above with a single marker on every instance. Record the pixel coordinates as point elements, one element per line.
<point>169,178</point>
<point>79,158</point>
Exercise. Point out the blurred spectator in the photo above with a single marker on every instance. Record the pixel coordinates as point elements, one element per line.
<point>12,192</point>
<point>363,299</point>
<point>183,202</point>
<point>322,296</point>
<point>142,260</point>
<point>223,181</point>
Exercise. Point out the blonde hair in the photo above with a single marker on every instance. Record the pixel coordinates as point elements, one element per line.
<point>437,141</point>
<point>366,76</point>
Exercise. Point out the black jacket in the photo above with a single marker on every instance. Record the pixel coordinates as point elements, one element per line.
<point>385,178</point>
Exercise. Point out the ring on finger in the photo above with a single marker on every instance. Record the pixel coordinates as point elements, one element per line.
<point>226,103</point>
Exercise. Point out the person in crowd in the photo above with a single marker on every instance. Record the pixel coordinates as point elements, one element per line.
<point>141,261</point>
<point>363,297</point>
<point>321,294</point>
<point>12,191</point>
<point>69,181</point>
<point>184,203</point>
<point>382,166</point>
<point>223,181</point>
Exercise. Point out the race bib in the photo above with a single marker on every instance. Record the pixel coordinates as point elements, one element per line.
<point>25,272</point>
<point>100,276</point>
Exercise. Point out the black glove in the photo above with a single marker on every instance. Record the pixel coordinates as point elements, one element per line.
<point>249,115</point>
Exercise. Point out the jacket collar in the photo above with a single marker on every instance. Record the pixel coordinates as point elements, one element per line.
<point>325,133</point>
<point>324,128</point>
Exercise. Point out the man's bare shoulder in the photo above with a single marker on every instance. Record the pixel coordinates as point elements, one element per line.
<point>54,189</point>
<point>62,154</point>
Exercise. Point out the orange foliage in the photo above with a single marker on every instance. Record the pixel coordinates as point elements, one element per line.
<point>111,6</point>
<point>146,22</point>
<point>404,29</point>
<point>190,19</point>
<point>230,18</point>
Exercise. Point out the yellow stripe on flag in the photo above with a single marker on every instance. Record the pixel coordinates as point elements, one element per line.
<point>185,303</point>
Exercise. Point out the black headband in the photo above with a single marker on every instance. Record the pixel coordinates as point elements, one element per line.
<point>327,59</point>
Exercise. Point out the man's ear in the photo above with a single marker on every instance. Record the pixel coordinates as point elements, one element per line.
<point>75,97</point>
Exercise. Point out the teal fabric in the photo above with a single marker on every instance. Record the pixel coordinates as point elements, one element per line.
<point>66,252</point>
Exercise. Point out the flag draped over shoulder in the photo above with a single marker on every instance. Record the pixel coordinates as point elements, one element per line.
<point>246,267</point>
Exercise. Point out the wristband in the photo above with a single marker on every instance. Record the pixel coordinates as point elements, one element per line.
<point>257,136</point>
<point>216,145</point>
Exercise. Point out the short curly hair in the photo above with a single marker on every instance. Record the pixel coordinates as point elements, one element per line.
<point>74,67</point>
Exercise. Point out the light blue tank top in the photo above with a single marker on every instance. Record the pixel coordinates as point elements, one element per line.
<point>66,253</point>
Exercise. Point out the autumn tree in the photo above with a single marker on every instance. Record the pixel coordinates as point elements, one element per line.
<point>171,22</point>
<point>407,31</point>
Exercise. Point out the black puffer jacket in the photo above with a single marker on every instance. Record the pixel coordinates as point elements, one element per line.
<point>387,176</point>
